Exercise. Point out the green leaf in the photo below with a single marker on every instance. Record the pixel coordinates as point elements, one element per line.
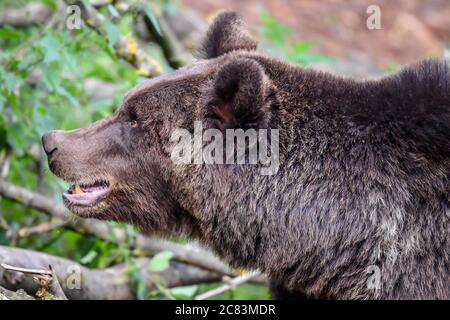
<point>153,19</point>
<point>2,104</point>
<point>161,261</point>
<point>89,257</point>
<point>137,279</point>
<point>66,94</point>
<point>30,59</point>
<point>141,290</point>
<point>15,138</point>
<point>51,45</point>
<point>8,80</point>
<point>113,11</point>
<point>304,46</point>
<point>186,292</point>
<point>112,31</point>
<point>10,33</point>
<point>86,3</point>
<point>276,38</point>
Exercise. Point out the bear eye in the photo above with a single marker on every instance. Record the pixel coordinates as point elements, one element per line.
<point>133,123</point>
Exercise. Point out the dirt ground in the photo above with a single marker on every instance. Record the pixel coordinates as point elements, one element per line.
<point>410,29</point>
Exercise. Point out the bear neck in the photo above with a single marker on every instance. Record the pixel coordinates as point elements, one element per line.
<point>261,227</point>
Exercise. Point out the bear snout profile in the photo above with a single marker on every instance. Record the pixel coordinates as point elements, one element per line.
<point>358,208</point>
<point>49,143</point>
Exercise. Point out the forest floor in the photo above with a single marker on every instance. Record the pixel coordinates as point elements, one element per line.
<point>410,29</point>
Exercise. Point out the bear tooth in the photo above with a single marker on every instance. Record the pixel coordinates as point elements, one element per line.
<point>78,189</point>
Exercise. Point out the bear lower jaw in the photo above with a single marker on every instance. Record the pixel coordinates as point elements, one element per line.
<point>87,194</point>
<point>95,210</point>
<point>86,197</point>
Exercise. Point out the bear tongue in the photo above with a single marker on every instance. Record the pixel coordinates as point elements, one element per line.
<point>86,196</point>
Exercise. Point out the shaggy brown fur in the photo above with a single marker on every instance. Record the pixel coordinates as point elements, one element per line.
<point>363,182</point>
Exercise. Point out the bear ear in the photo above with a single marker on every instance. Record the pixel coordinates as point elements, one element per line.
<point>227,33</point>
<point>240,97</point>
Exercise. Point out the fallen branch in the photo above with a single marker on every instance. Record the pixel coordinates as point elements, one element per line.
<point>188,253</point>
<point>39,229</point>
<point>79,282</point>
<point>51,283</point>
<point>47,280</point>
<point>25,270</point>
<point>163,35</point>
<point>25,16</point>
<point>231,284</point>
<point>20,294</point>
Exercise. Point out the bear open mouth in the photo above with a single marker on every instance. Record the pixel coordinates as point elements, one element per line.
<point>87,194</point>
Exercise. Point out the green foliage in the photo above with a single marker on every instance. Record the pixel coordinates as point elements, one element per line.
<point>246,291</point>
<point>161,261</point>
<point>277,39</point>
<point>43,75</point>
<point>184,293</point>
<point>43,72</point>
<point>152,18</point>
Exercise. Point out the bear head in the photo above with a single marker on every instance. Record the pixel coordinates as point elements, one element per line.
<point>121,167</point>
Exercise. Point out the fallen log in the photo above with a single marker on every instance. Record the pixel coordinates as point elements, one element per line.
<point>25,16</point>
<point>80,282</point>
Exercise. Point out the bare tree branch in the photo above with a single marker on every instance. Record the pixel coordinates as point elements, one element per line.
<point>25,16</point>
<point>163,35</point>
<point>54,285</point>
<point>38,229</point>
<point>231,284</point>
<point>7,267</point>
<point>79,282</point>
<point>188,253</point>
<point>20,294</point>
<point>33,200</point>
<point>47,279</point>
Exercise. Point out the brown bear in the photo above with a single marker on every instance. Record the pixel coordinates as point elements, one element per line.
<point>359,207</point>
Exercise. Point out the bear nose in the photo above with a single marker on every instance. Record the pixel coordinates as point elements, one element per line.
<point>49,143</point>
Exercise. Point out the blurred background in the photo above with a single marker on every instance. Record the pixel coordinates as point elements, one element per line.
<point>65,64</point>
